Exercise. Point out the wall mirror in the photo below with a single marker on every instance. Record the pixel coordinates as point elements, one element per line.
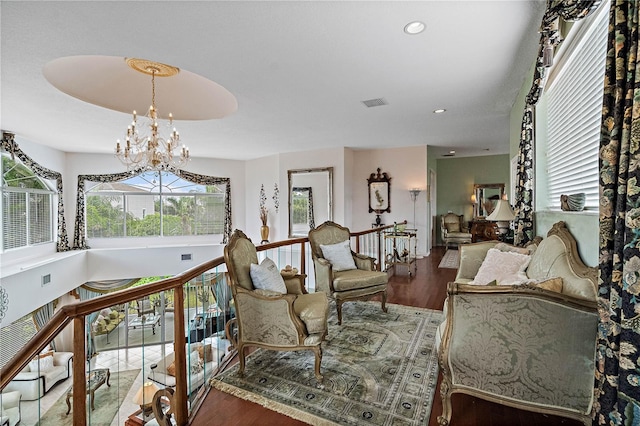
<point>310,199</point>
<point>486,197</point>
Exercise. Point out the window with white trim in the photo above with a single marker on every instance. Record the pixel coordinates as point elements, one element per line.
<point>154,204</point>
<point>27,205</point>
<point>569,115</point>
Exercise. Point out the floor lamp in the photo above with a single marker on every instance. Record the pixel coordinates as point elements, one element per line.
<point>414,196</point>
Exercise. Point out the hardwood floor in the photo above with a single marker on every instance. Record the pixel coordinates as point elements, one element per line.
<point>426,290</point>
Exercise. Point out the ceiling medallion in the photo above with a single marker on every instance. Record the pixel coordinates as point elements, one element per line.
<point>151,150</point>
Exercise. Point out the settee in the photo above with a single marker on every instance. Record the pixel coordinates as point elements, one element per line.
<point>529,345</point>
<point>107,321</point>
<point>202,359</point>
<point>41,374</point>
<point>10,408</point>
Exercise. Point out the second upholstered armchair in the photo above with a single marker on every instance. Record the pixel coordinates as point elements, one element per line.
<point>272,312</point>
<point>341,273</point>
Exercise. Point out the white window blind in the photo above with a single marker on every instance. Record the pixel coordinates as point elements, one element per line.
<point>574,113</point>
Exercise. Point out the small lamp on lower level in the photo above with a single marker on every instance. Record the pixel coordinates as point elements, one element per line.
<point>502,214</point>
<point>144,398</point>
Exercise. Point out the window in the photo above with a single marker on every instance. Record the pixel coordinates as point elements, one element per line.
<point>154,204</point>
<point>14,336</point>
<point>569,116</point>
<point>27,206</point>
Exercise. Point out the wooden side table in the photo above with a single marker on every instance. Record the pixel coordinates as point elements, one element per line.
<point>136,419</point>
<point>483,230</point>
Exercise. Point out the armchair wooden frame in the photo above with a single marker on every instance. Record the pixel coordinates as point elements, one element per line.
<point>250,304</point>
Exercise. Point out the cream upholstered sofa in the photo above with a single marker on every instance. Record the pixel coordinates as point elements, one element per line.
<point>10,408</point>
<point>33,381</point>
<point>202,353</point>
<point>523,345</point>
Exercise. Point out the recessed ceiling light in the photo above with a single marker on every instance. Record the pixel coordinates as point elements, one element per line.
<point>415,27</point>
<point>439,111</point>
<point>452,152</point>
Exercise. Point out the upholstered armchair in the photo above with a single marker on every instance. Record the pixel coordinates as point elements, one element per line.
<point>454,230</point>
<point>273,313</point>
<point>341,273</point>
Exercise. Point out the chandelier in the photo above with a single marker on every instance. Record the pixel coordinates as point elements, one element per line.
<point>145,147</point>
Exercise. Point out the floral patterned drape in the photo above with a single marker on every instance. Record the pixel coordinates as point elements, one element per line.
<point>617,386</point>
<point>9,145</point>
<point>79,237</point>
<point>569,10</point>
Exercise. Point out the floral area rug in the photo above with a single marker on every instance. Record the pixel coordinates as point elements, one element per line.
<point>379,368</point>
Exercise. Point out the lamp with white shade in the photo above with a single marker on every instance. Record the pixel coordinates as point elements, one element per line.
<point>502,214</point>
<point>144,398</point>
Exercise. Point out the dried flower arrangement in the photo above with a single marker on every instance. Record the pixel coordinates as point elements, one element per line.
<point>264,212</point>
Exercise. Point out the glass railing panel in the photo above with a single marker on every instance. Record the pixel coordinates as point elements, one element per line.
<point>37,387</point>
<point>208,308</point>
<point>123,343</point>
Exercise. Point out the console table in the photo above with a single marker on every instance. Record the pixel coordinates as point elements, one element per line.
<point>95,379</point>
<point>400,250</point>
<point>483,230</point>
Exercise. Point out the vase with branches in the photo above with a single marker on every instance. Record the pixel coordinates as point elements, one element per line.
<point>264,216</point>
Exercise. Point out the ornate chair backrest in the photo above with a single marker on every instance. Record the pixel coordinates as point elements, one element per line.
<point>451,218</point>
<point>239,254</point>
<point>325,234</point>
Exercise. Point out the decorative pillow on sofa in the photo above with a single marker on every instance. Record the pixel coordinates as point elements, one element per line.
<point>195,363</point>
<point>505,267</point>
<point>42,362</point>
<point>205,352</point>
<point>171,369</point>
<point>267,276</point>
<point>339,255</point>
<point>522,250</point>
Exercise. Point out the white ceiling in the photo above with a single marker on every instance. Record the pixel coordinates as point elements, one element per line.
<point>299,70</point>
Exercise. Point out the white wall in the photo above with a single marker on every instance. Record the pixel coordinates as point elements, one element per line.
<point>407,168</point>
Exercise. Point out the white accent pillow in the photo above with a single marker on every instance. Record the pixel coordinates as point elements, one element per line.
<point>339,255</point>
<point>45,363</point>
<point>266,276</point>
<point>507,268</point>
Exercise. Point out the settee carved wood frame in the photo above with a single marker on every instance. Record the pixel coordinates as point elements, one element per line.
<point>447,387</point>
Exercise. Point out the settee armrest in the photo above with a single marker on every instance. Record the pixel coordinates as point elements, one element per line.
<point>471,257</point>
<point>63,358</point>
<point>513,345</point>
<point>364,262</point>
<point>10,399</point>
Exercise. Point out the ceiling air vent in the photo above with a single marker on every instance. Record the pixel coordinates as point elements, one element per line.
<point>374,102</point>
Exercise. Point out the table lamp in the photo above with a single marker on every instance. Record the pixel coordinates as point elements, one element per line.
<point>502,214</point>
<point>144,398</point>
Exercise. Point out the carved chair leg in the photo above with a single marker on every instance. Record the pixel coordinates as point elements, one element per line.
<point>384,301</point>
<point>318,351</point>
<point>445,393</point>
<point>339,309</point>
<point>241,356</point>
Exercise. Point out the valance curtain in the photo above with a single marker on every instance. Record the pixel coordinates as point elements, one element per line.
<point>618,351</point>
<point>569,10</point>
<point>79,237</point>
<point>9,145</point>
<point>42,316</point>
